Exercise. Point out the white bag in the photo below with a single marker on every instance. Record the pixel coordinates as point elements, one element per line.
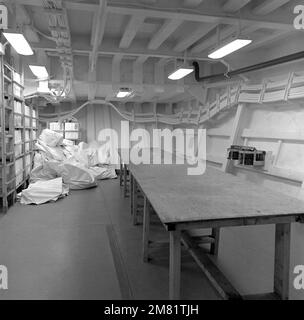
<point>75,175</point>
<point>43,191</point>
<point>51,138</point>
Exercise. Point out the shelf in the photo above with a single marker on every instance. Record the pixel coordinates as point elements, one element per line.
<point>8,110</point>
<point>18,84</point>
<point>7,78</point>
<point>10,192</point>
<point>10,153</point>
<point>20,156</point>
<point>8,164</point>
<point>18,99</point>
<point>10,181</point>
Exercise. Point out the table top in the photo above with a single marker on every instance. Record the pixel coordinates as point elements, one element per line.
<point>154,152</point>
<point>215,195</point>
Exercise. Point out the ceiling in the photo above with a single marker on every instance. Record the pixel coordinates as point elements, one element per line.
<point>102,45</point>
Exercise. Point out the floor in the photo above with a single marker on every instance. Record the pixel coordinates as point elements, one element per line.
<point>85,247</point>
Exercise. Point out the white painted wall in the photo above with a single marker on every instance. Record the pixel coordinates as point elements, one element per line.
<point>247,254</point>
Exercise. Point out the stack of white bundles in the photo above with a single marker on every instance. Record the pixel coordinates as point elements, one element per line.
<point>18,136</point>
<point>27,135</point>
<point>34,134</point>
<point>17,91</point>
<point>34,113</point>
<point>27,147</point>
<point>27,110</point>
<point>18,145</point>
<point>71,126</point>
<point>43,191</point>
<point>67,142</point>
<point>19,171</point>
<point>72,135</point>
<point>27,164</point>
<point>18,120</point>
<point>19,166</point>
<point>55,126</point>
<point>51,138</point>
<point>34,122</point>
<point>17,77</point>
<point>28,160</point>
<point>27,121</point>
<point>17,107</point>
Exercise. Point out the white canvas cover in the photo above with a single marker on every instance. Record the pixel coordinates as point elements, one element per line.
<point>78,166</point>
<point>51,138</point>
<point>43,191</point>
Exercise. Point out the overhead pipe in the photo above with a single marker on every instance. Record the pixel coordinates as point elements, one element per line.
<point>255,67</point>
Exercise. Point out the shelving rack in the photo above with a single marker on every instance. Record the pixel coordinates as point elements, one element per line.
<point>19,126</point>
<point>7,136</point>
<point>69,129</point>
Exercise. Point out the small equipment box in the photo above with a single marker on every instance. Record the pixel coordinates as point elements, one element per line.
<point>247,156</point>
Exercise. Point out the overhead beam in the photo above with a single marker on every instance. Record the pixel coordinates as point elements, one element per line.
<point>234,5</point>
<point>135,23</point>
<point>212,40</point>
<point>109,49</point>
<point>201,31</point>
<point>98,31</point>
<point>164,33</point>
<point>116,68</point>
<point>266,40</point>
<point>192,3</point>
<point>138,71</point>
<point>92,87</point>
<point>159,72</point>
<point>269,6</point>
<point>23,17</point>
<point>149,1</point>
<point>226,33</point>
<point>208,16</point>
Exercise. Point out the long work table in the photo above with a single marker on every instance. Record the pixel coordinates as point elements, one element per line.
<point>213,200</point>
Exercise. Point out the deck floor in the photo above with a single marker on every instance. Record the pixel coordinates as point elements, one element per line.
<point>85,247</point>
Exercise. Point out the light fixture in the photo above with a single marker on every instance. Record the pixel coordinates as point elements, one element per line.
<point>19,43</point>
<point>180,73</point>
<point>124,93</point>
<point>39,71</point>
<point>228,48</point>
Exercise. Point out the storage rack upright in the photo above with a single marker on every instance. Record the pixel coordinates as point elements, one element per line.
<point>8,176</point>
<point>19,130</point>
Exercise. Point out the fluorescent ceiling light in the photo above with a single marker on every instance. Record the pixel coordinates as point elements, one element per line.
<point>39,71</point>
<point>229,48</point>
<point>123,93</point>
<point>180,73</point>
<point>19,43</point>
